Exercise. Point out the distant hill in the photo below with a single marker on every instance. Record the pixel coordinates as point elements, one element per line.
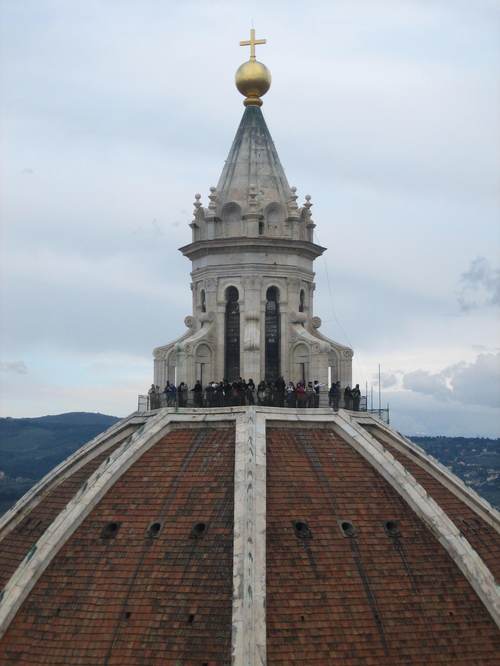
<point>476,460</point>
<point>29,448</point>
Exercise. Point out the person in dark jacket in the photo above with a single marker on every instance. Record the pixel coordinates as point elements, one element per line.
<point>356,398</point>
<point>300,393</point>
<point>317,387</point>
<point>182,395</point>
<point>310,394</point>
<point>227,393</point>
<point>210,394</point>
<point>251,392</point>
<point>219,394</point>
<point>166,394</point>
<point>347,397</point>
<point>261,392</point>
<point>279,386</point>
<point>198,394</point>
<point>334,396</point>
<point>290,395</point>
<point>152,397</point>
<point>242,387</point>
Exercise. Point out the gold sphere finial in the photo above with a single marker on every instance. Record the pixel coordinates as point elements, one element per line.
<point>253,79</point>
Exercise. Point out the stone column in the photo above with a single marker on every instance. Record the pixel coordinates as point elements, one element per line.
<point>250,330</point>
<point>345,370</point>
<point>219,336</point>
<point>284,332</point>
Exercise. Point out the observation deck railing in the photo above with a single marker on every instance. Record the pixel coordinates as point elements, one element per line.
<point>189,399</point>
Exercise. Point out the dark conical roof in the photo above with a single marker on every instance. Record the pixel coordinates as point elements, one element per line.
<point>253,161</point>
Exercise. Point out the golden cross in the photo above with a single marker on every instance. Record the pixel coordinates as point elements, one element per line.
<point>252,42</point>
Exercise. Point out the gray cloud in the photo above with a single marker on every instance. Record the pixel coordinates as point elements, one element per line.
<point>480,285</point>
<point>16,367</point>
<point>476,383</point>
<point>422,381</point>
<point>105,147</point>
<point>418,414</point>
<point>387,379</point>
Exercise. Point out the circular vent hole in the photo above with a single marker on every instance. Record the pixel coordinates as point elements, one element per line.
<point>110,530</point>
<point>391,527</point>
<point>154,529</point>
<point>347,528</point>
<point>198,530</point>
<point>302,529</point>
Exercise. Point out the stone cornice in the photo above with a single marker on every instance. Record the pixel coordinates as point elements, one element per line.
<point>260,269</point>
<point>230,245</point>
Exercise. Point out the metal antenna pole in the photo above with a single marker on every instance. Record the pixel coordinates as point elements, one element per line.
<point>379,393</point>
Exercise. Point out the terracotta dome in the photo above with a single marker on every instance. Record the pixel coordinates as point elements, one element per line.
<point>250,535</point>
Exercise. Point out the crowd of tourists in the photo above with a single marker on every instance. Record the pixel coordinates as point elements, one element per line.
<point>240,392</point>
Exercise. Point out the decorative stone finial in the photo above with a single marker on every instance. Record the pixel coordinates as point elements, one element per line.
<point>253,79</point>
<point>213,198</point>
<point>293,198</point>
<point>197,203</point>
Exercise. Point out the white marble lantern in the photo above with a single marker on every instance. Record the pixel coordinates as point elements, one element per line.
<point>252,254</point>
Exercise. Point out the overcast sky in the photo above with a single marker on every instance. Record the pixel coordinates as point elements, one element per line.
<point>114,113</point>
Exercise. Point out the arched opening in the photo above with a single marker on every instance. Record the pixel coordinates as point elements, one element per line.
<point>203,303</point>
<point>232,335</point>
<point>272,334</point>
<point>300,363</point>
<point>274,217</point>
<point>231,219</point>
<point>333,371</point>
<point>203,361</point>
<point>172,368</point>
<point>301,300</point>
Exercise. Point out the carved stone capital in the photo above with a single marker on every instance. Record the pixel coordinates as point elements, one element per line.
<point>206,316</point>
<point>189,321</point>
<point>297,317</point>
<point>210,284</point>
<point>251,283</point>
<point>316,322</point>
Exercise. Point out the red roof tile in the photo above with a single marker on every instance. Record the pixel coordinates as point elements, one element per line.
<point>15,545</point>
<point>482,537</point>
<point>366,599</point>
<point>135,598</point>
